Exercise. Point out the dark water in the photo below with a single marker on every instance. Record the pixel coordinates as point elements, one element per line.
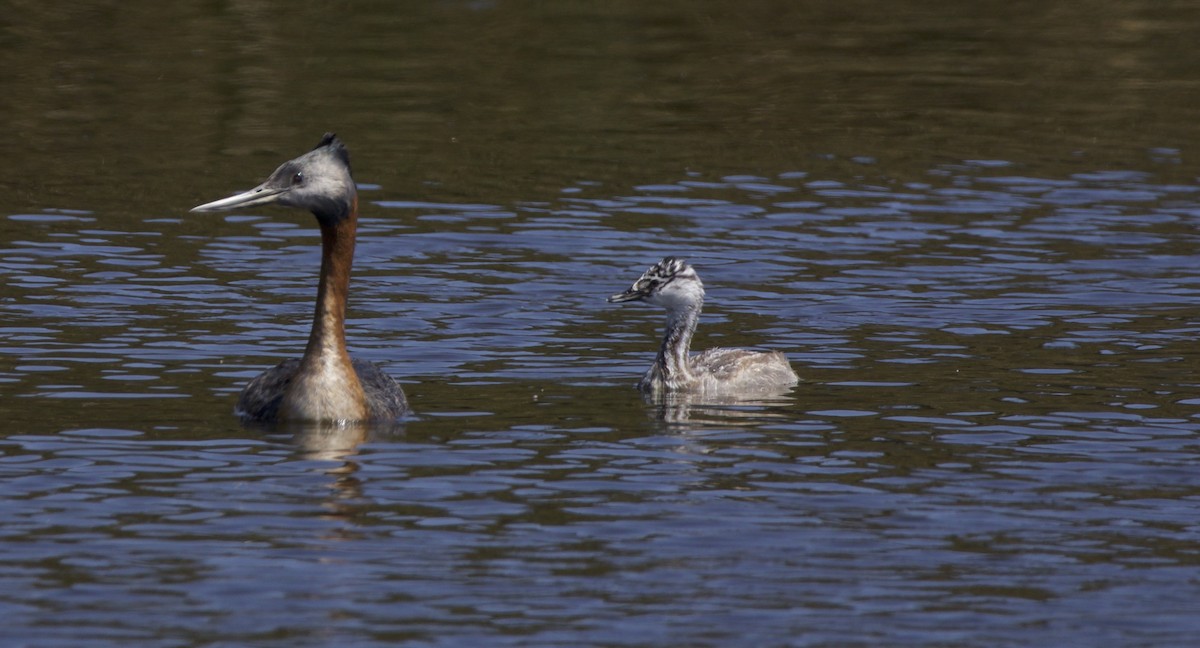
<point>971,227</point>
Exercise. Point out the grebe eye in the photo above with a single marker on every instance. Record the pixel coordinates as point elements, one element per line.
<point>298,178</point>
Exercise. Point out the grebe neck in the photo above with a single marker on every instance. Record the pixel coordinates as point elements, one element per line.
<point>672,360</point>
<point>327,341</point>
<point>326,386</point>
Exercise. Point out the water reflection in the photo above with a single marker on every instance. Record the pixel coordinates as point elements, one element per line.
<point>701,410</point>
<point>328,440</point>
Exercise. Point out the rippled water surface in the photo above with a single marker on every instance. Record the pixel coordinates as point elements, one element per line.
<point>984,270</point>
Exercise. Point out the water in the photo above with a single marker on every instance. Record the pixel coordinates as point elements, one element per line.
<point>972,233</point>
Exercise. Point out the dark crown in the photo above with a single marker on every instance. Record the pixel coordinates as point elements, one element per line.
<point>336,147</point>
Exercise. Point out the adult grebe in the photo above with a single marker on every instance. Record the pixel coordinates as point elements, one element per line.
<point>674,285</point>
<point>324,384</point>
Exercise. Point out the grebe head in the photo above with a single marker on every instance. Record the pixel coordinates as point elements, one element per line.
<point>318,181</point>
<point>670,283</point>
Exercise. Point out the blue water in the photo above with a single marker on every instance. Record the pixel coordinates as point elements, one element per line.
<point>993,444</point>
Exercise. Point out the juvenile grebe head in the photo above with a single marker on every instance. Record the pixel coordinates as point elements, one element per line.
<point>319,181</point>
<point>670,283</point>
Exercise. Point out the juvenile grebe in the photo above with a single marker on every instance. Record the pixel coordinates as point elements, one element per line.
<point>324,384</point>
<point>674,285</point>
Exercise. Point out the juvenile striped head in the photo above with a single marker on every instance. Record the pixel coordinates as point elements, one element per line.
<point>670,283</point>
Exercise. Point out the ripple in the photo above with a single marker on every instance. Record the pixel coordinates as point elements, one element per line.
<point>996,417</point>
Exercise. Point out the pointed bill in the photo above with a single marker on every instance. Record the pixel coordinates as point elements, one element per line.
<point>260,195</point>
<point>629,295</point>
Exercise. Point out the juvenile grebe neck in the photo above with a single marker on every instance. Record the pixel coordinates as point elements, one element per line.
<point>674,285</point>
<point>325,384</point>
<point>671,363</point>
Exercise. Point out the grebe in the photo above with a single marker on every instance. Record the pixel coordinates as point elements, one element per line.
<point>324,384</point>
<point>674,285</point>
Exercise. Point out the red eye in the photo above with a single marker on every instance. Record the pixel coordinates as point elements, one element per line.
<point>298,178</point>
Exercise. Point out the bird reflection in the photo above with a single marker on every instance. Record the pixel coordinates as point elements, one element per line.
<point>338,444</point>
<point>700,410</point>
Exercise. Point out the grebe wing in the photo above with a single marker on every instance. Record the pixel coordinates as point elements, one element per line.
<point>753,369</point>
<point>385,398</point>
<point>721,362</point>
<point>261,398</point>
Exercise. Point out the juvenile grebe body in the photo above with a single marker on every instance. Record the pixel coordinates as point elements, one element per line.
<point>324,384</point>
<point>674,285</point>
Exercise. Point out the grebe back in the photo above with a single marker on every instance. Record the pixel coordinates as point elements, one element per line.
<point>674,285</point>
<point>324,384</point>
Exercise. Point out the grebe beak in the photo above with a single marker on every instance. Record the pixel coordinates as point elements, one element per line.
<point>260,195</point>
<point>629,295</point>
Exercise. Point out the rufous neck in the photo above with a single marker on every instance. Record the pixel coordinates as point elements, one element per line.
<point>327,342</point>
<point>326,386</point>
